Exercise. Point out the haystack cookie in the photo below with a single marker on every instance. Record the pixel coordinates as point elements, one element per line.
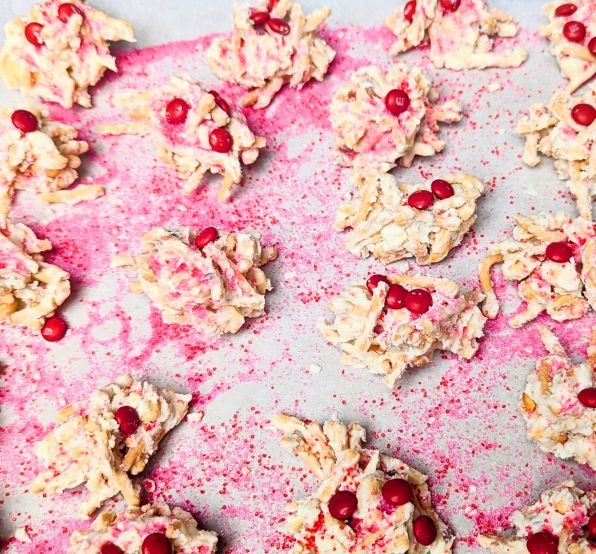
<point>193,130</point>
<point>563,521</point>
<point>392,221</point>
<point>366,501</point>
<point>30,289</point>
<point>572,35</point>
<point>151,528</point>
<point>272,45</point>
<point>559,402</point>
<point>381,117</point>
<point>553,259</point>
<point>398,321</point>
<point>60,49</point>
<point>460,33</point>
<point>42,157</point>
<point>211,280</point>
<point>99,442</point>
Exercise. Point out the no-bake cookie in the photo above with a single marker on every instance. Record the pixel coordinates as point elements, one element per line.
<point>59,50</point>
<point>273,44</point>
<point>194,130</point>
<point>461,33</point>
<point>392,221</point>
<point>100,442</point>
<point>381,117</point>
<point>557,523</point>
<point>398,321</point>
<point>553,259</point>
<point>211,280</point>
<point>151,528</point>
<point>366,501</point>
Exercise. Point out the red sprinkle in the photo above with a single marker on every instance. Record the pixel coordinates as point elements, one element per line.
<point>592,526</point>
<point>177,111</point>
<point>542,542</point>
<point>418,301</point>
<point>24,121</point>
<point>583,114</point>
<point>343,504</point>
<point>397,101</point>
<point>409,11</point>
<point>271,4</point>
<point>592,46</point>
<point>128,420</point>
<point>559,252</point>
<point>450,5</point>
<point>258,18</point>
<point>110,548</point>
<point>395,297</point>
<point>207,235</point>
<point>565,10</point>
<point>425,530</point>
<point>278,26</point>
<point>421,199</point>
<point>378,329</point>
<point>574,31</point>
<point>33,34</point>
<point>220,140</point>
<point>588,397</point>
<point>397,492</point>
<point>156,543</point>
<point>442,189</point>
<point>220,101</point>
<point>67,10</point>
<point>54,329</point>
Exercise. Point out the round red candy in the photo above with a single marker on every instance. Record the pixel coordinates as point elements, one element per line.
<point>565,10</point>
<point>221,103</point>
<point>128,420</point>
<point>421,199</point>
<point>425,530</point>
<point>592,527</point>
<point>442,189</point>
<point>343,504</point>
<point>67,10</point>
<point>583,114</point>
<point>278,26</point>
<point>409,11</point>
<point>397,101</point>
<point>110,548</point>
<point>207,235</point>
<point>25,121</point>
<point>559,252</point>
<point>33,34</point>
<point>220,140</point>
<point>395,297</point>
<point>397,492</point>
<point>156,543</point>
<point>588,397</point>
<point>259,18</point>
<point>177,111</point>
<point>592,46</point>
<point>374,280</point>
<point>574,31</point>
<point>450,5</point>
<point>542,542</point>
<point>54,329</point>
<point>418,301</point>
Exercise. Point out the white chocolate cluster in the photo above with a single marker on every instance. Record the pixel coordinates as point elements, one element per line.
<point>214,289</point>
<point>335,455</point>
<point>555,417</point>
<point>562,511</point>
<point>262,60</point>
<point>73,57</point>
<point>369,136</point>
<point>128,529</point>
<point>186,146</point>
<point>87,447</point>
<point>388,341</point>
<point>564,290</point>
<point>551,130</point>
<point>383,225</point>
<point>460,39</point>
<point>30,289</point>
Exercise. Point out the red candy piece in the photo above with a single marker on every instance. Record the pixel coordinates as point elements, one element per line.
<point>220,102</point>
<point>410,10</point>
<point>588,397</point>
<point>24,121</point>
<point>110,548</point>
<point>259,18</point>
<point>271,4</point>
<point>177,111</point>
<point>397,101</point>
<point>425,530</point>
<point>54,329</point>
<point>418,301</point>
<point>128,420</point>
<point>156,543</point>
<point>574,31</point>
<point>278,26</point>
<point>66,11</point>
<point>374,280</point>
<point>220,140</point>
<point>397,492</point>
<point>565,10</point>
<point>592,46</point>
<point>207,235</point>
<point>33,34</point>
<point>583,114</point>
<point>343,504</point>
<point>559,252</point>
<point>592,527</point>
<point>421,199</point>
<point>442,189</point>
<point>395,297</point>
<point>450,5</point>
<point>542,543</point>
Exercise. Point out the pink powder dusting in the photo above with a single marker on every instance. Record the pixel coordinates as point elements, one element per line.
<point>455,420</point>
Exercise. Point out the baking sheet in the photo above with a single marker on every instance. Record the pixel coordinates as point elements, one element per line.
<point>457,421</point>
